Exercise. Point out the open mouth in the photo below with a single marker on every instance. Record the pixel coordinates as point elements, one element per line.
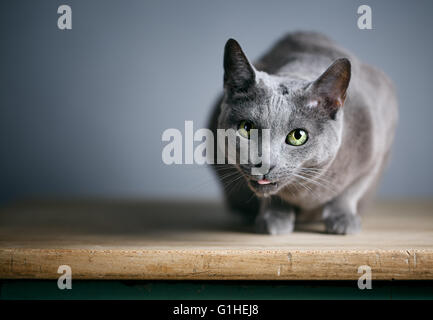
<point>264,185</point>
<point>264,181</point>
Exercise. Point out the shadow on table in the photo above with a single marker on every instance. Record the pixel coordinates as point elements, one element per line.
<point>155,218</point>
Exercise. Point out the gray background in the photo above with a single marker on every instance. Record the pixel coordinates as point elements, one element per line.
<point>82,111</point>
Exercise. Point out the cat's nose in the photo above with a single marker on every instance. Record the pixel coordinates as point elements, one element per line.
<point>260,164</point>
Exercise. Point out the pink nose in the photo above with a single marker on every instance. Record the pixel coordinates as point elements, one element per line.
<point>263,181</point>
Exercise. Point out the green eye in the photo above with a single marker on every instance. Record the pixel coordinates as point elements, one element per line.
<point>297,137</point>
<point>244,128</point>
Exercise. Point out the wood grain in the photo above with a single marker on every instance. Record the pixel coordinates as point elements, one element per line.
<point>200,240</point>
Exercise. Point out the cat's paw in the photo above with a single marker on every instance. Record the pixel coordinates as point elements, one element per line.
<point>275,222</point>
<point>343,224</point>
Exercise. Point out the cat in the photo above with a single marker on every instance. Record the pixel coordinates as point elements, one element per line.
<point>332,121</point>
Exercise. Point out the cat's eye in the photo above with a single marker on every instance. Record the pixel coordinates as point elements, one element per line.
<point>297,137</point>
<point>245,127</point>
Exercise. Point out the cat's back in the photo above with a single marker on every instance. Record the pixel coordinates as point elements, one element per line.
<point>308,47</point>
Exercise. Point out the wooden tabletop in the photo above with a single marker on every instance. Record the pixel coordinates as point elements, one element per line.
<point>200,240</point>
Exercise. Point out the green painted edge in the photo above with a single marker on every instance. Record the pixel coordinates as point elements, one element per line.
<point>216,290</point>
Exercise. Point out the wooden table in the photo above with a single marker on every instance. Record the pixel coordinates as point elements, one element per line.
<point>200,240</point>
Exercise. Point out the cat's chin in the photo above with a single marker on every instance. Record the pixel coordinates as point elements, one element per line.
<point>264,190</point>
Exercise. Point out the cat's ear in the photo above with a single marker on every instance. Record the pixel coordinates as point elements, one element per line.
<point>239,74</point>
<point>329,90</point>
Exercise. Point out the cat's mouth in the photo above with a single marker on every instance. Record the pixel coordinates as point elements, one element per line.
<point>264,186</point>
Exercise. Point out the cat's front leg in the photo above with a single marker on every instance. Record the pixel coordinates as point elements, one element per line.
<point>341,218</point>
<point>275,218</point>
<point>341,214</point>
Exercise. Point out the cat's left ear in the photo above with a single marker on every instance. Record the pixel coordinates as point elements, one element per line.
<point>329,90</point>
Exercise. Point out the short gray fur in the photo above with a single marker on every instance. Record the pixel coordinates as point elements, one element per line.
<point>350,113</point>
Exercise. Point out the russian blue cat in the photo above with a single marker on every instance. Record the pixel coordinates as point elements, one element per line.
<point>332,120</point>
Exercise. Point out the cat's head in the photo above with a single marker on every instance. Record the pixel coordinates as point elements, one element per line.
<point>304,117</point>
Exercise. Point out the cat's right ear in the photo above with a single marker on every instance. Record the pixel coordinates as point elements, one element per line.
<point>239,75</point>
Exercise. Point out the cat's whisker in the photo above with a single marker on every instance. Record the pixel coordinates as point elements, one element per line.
<point>323,177</point>
<point>228,184</point>
<point>225,168</point>
<point>304,185</point>
<point>228,175</point>
<point>321,172</point>
<point>317,183</point>
<point>319,178</point>
<point>252,196</point>
<point>234,183</point>
<point>309,190</point>
<point>224,172</point>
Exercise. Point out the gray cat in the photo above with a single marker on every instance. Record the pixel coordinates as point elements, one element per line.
<point>332,120</point>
